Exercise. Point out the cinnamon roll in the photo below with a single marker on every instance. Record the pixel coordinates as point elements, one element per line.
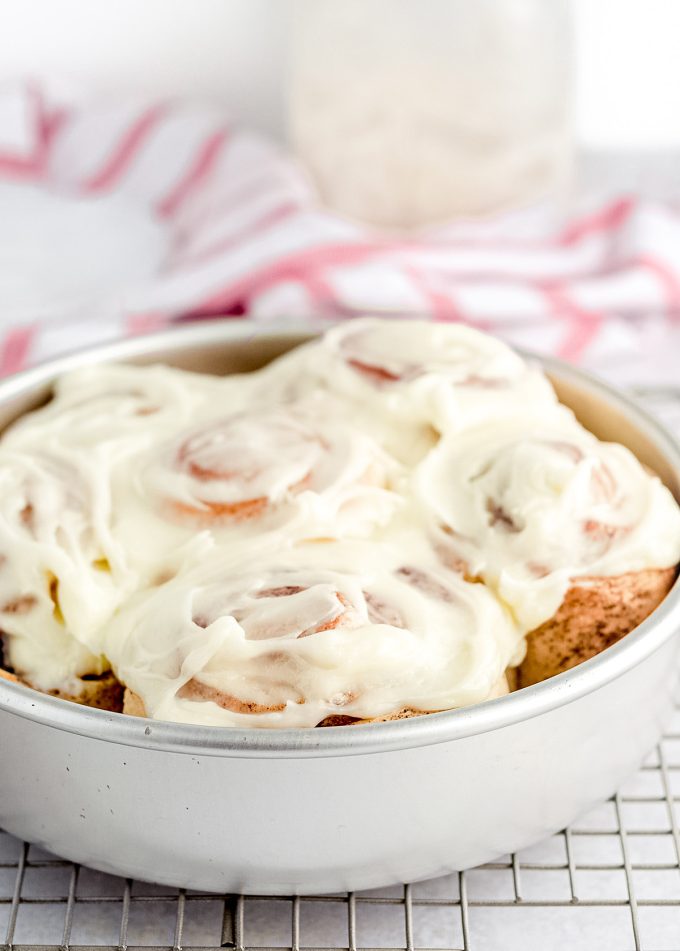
<point>445,377</point>
<point>113,411</point>
<point>349,630</point>
<point>272,466</point>
<point>572,533</point>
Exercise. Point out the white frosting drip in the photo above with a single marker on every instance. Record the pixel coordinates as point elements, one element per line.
<point>272,548</point>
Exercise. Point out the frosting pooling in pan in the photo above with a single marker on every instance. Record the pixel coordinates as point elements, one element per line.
<point>372,523</point>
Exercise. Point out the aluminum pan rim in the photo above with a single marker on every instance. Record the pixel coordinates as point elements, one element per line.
<point>427,730</point>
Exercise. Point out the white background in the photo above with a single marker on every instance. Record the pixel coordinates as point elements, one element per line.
<point>233,51</point>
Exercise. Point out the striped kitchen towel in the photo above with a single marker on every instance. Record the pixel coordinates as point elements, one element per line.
<point>118,217</point>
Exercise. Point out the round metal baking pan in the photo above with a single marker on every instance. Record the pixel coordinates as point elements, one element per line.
<point>541,731</point>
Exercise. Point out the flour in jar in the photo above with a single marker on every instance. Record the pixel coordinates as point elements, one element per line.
<point>408,113</point>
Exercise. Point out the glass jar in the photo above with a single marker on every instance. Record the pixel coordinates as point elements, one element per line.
<point>407,112</point>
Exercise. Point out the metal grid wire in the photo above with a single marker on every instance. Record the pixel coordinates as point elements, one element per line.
<point>612,881</point>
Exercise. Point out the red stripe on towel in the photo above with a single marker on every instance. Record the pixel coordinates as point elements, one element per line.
<point>125,150</point>
<point>15,348</point>
<point>136,324</point>
<point>582,325</point>
<point>609,218</point>
<point>198,170</point>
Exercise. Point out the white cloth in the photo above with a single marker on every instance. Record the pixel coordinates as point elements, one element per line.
<point>117,217</point>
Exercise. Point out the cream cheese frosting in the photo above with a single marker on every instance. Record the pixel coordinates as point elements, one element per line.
<point>423,377</point>
<point>371,523</point>
<point>60,572</point>
<point>292,635</point>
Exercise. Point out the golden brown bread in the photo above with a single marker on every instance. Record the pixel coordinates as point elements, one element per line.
<point>133,704</point>
<point>102,691</point>
<point>595,613</point>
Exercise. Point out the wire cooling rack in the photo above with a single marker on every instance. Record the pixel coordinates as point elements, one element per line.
<point>609,883</point>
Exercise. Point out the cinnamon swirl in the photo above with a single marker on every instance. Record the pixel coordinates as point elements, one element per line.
<point>270,466</point>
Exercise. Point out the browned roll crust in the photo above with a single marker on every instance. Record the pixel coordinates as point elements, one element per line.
<point>510,682</point>
<point>102,691</point>
<point>339,719</point>
<point>133,704</point>
<point>595,613</point>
